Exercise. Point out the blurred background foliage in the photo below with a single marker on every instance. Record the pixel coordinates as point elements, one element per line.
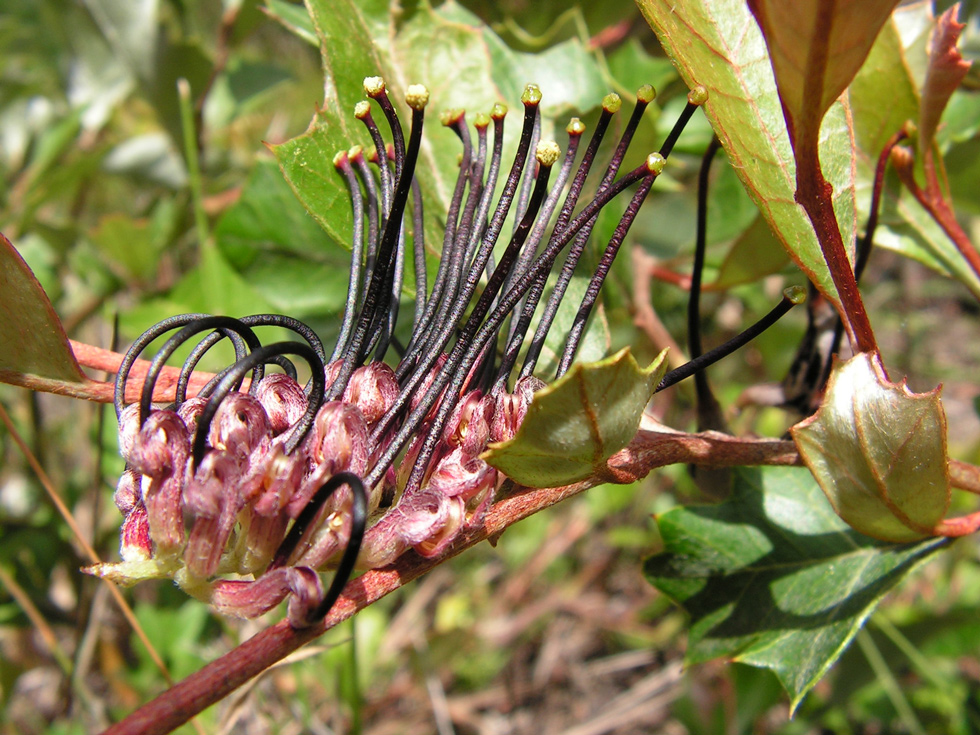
<point>554,629</point>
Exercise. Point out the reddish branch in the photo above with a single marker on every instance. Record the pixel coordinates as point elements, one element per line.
<point>932,200</point>
<point>815,194</point>
<point>96,358</point>
<point>648,451</point>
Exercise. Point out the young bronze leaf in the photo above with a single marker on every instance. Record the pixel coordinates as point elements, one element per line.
<point>772,578</point>
<point>816,47</point>
<point>574,425</point>
<point>946,70</point>
<point>878,452</point>
<point>35,350</point>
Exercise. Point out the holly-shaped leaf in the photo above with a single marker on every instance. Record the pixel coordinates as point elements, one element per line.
<point>35,352</point>
<point>718,44</point>
<point>464,65</point>
<point>878,452</point>
<point>772,578</point>
<point>575,424</point>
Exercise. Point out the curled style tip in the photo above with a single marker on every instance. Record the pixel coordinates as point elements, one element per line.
<point>261,356</point>
<point>303,523</point>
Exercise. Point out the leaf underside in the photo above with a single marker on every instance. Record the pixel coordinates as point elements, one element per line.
<point>878,452</point>
<point>574,425</point>
<point>719,45</point>
<point>34,342</point>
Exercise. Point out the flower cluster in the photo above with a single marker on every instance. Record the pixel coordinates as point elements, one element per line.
<point>242,495</point>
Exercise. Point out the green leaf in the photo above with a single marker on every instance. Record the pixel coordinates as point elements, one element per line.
<point>596,341</point>
<point>293,17</point>
<point>878,452</point>
<point>754,255</point>
<point>212,287</point>
<point>462,63</point>
<point>268,216</point>
<point>719,45</point>
<point>772,578</point>
<point>129,244</point>
<point>34,342</point>
<point>631,66</point>
<point>575,424</point>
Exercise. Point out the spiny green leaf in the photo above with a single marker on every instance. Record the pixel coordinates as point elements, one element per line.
<point>574,425</point>
<point>772,578</point>
<point>34,344</point>
<point>462,63</point>
<point>719,45</point>
<point>879,452</point>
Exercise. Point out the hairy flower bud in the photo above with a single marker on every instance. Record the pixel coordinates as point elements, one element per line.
<point>373,389</point>
<point>240,425</point>
<point>190,413</point>
<point>469,424</point>
<point>460,474</point>
<point>427,383</point>
<point>129,492</point>
<point>161,452</point>
<point>416,518</point>
<point>134,537</point>
<point>510,409</point>
<point>339,440</point>
<point>283,400</point>
<point>129,429</point>
<point>245,599</point>
<point>213,498</point>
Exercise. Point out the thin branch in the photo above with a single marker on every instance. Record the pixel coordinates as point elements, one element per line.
<point>99,391</point>
<point>649,450</point>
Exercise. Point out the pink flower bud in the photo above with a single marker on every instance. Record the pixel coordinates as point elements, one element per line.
<point>134,536</point>
<point>511,408</point>
<point>161,452</point>
<point>439,541</point>
<point>463,475</point>
<point>240,425</point>
<point>212,496</point>
<point>190,411</point>
<point>265,526</point>
<point>469,424</point>
<point>244,599</point>
<point>426,384</point>
<point>280,475</point>
<point>129,491</point>
<point>331,371</point>
<point>330,535</point>
<point>283,400</point>
<point>338,442</point>
<point>129,429</point>
<point>413,521</point>
<point>373,389</point>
